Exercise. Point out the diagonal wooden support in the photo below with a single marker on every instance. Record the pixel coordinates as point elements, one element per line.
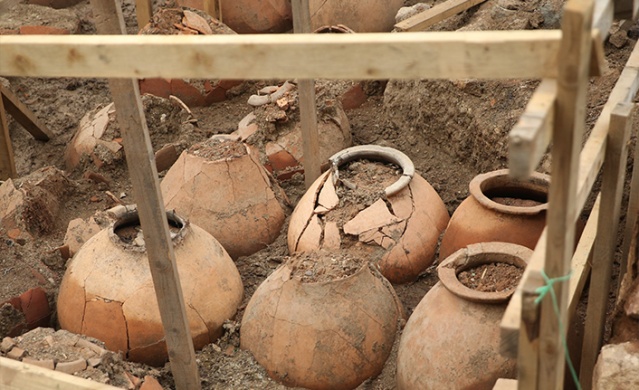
<point>438,13</point>
<point>7,163</point>
<point>570,122</point>
<point>308,114</point>
<point>24,116</point>
<point>529,139</point>
<point>611,190</point>
<point>146,188</point>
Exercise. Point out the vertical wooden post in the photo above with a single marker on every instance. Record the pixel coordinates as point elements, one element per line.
<point>7,164</point>
<point>306,88</point>
<point>632,213</point>
<point>212,7</point>
<point>146,188</point>
<point>572,85</point>
<point>143,12</point>
<point>611,188</point>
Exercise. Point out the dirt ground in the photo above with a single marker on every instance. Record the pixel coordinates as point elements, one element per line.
<point>452,130</point>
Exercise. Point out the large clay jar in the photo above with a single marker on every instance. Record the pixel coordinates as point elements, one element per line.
<point>499,208</point>
<point>317,332</point>
<point>399,230</point>
<point>252,16</point>
<point>107,290</point>
<point>361,16</point>
<point>221,186</point>
<point>451,341</point>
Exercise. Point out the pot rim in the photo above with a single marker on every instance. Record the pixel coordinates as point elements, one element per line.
<point>479,254</point>
<point>130,214</point>
<point>377,153</point>
<point>500,179</point>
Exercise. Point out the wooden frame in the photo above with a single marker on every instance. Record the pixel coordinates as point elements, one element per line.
<point>434,15</point>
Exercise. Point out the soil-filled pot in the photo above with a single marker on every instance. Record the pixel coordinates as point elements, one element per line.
<point>499,208</point>
<point>107,290</point>
<point>222,187</point>
<point>360,15</point>
<point>451,341</point>
<point>376,205</point>
<point>322,320</point>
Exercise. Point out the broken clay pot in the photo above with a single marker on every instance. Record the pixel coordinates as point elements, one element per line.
<point>361,16</point>
<point>399,229</point>
<point>452,339</point>
<point>222,186</point>
<point>499,208</point>
<point>328,334</point>
<point>107,291</point>
<point>34,306</point>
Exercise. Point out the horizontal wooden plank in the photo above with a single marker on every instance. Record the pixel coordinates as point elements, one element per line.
<point>529,139</point>
<point>436,14</point>
<point>16,375</point>
<point>436,55</point>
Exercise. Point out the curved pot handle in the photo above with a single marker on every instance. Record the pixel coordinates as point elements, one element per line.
<point>377,153</point>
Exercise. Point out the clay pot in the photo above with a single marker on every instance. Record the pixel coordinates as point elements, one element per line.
<point>107,290</point>
<point>402,237</point>
<point>252,16</point>
<point>33,308</point>
<point>451,341</point>
<point>361,16</point>
<point>499,208</point>
<point>222,187</point>
<point>331,334</point>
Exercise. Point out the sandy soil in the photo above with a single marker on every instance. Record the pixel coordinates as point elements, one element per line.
<point>452,130</point>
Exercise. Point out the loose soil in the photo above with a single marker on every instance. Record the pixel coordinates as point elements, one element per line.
<point>214,150</point>
<point>493,277</point>
<point>325,266</point>
<point>517,202</point>
<point>451,129</point>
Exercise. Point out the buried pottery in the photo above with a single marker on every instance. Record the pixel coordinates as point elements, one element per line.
<point>323,320</point>
<point>361,16</point>
<point>452,339</point>
<point>395,221</point>
<point>221,186</point>
<point>499,208</point>
<point>107,291</point>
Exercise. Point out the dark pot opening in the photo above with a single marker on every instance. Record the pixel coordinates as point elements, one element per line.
<point>498,191</point>
<point>127,230</point>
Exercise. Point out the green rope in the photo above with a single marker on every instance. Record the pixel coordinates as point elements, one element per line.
<point>542,291</point>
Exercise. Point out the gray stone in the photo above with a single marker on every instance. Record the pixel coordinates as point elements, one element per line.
<point>617,367</point>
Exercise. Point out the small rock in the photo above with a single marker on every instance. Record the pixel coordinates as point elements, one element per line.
<point>7,344</point>
<point>16,353</point>
<point>72,366</point>
<point>94,362</point>
<point>619,39</point>
<point>617,367</point>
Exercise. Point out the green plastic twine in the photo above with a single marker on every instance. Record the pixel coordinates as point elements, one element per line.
<point>542,291</point>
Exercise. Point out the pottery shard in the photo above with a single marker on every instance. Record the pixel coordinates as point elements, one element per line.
<point>372,217</point>
<point>7,344</point>
<point>332,238</point>
<point>150,383</point>
<point>617,367</point>
<point>196,22</point>
<point>328,197</point>
<point>46,363</point>
<point>632,302</point>
<point>310,239</point>
<point>72,367</point>
<point>78,232</point>
<point>16,353</point>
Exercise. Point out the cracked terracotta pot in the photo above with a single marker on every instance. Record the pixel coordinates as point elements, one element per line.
<point>499,208</point>
<point>312,331</point>
<point>221,186</point>
<point>452,339</point>
<point>107,290</point>
<point>361,16</point>
<point>399,230</point>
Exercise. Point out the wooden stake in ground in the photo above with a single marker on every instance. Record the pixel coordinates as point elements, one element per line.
<point>306,90</point>
<point>7,164</point>
<point>139,157</point>
<point>572,85</point>
<point>143,12</point>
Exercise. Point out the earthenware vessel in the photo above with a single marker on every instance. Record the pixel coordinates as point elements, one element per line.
<point>399,230</point>
<point>327,334</point>
<point>107,290</point>
<point>451,341</point>
<point>361,16</point>
<point>221,186</point>
<point>499,208</point>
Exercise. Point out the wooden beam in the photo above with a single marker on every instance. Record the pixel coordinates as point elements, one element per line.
<point>15,375</point>
<point>529,139</point>
<point>436,55</point>
<point>146,188</point>
<point>308,114</point>
<point>570,123</point>
<point>603,17</point>
<point>24,116</point>
<point>614,170</point>
<point>143,12</point>
<point>626,9</point>
<point>632,213</point>
<point>7,162</point>
<point>436,14</point>
<point>590,162</point>
<point>212,7</point>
